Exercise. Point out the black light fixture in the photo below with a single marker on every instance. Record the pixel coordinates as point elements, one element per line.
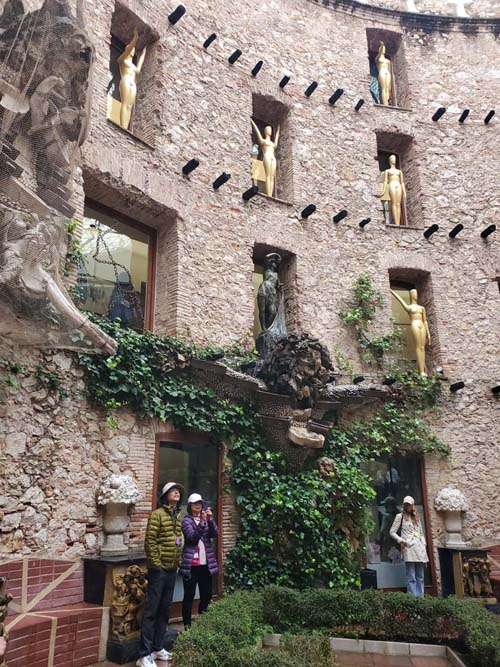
<point>358,379</point>
<point>310,89</point>
<point>284,81</point>
<point>464,115</point>
<point>430,231</point>
<point>336,96</point>
<point>456,386</point>
<point>496,390</point>
<point>340,215</point>
<point>211,38</point>
<point>364,222</point>
<point>456,230</point>
<point>359,104</point>
<point>389,381</point>
<point>309,210</point>
<point>440,112</point>
<point>489,116</point>
<point>234,56</point>
<point>257,67</point>
<point>489,230</point>
<point>177,14</point>
<point>190,166</point>
<point>220,180</point>
<point>251,192</point>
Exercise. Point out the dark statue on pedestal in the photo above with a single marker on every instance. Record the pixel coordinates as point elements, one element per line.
<point>270,300</point>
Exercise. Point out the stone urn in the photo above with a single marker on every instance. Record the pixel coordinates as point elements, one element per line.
<point>452,503</point>
<point>116,494</point>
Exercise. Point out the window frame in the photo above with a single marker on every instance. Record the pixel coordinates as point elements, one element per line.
<point>152,235</point>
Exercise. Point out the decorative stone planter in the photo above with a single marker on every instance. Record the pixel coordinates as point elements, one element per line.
<point>452,503</point>
<point>116,494</point>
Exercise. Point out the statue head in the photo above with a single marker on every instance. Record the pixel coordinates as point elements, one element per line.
<point>381,48</point>
<point>268,130</point>
<point>413,296</point>
<point>272,261</point>
<point>392,161</point>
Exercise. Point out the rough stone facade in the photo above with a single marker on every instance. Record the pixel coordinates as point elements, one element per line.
<point>53,452</point>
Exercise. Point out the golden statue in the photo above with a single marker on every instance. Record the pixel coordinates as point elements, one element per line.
<point>268,147</point>
<point>384,75</point>
<point>419,326</point>
<point>393,189</point>
<point>128,85</point>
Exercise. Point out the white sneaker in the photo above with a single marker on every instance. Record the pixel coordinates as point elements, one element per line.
<point>161,655</point>
<point>146,661</point>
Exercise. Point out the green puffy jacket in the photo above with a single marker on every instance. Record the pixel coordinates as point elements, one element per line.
<point>163,542</point>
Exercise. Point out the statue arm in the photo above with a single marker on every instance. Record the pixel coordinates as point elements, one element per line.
<point>129,48</point>
<point>257,132</point>
<point>261,304</point>
<point>398,298</point>
<point>141,60</point>
<point>403,188</point>
<point>277,137</point>
<point>426,325</point>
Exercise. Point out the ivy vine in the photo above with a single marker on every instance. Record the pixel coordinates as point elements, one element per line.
<point>297,528</point>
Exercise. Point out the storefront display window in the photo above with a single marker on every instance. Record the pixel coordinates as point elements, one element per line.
<point>392,479</point>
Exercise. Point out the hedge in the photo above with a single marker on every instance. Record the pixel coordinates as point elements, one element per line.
<point>228,634</point>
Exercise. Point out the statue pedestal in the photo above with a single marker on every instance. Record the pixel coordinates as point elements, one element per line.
<point>118,582</point>
<point>452,560</point>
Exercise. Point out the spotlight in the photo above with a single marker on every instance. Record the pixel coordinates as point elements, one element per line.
<point>177,14</point>
<point>489,116</point>
<point>309,210</point>
<point>190,166</point>
<point>456,230</point>
<point>389,381</point>
<point>464,115</point>
<point>209,40</point>
<point>358,379</point>
<point>440,112</point>
<point>456,386</point>
<point>257,67</point>
<point>430,231</point>
<point>340,216</point>
<point>284,81</point>
<point>359,104</point>
<point>310,89</point>
<point>489,230</point>
<point>336,96</point>
<point>496,390</point>
<point>251,192</point>
<point>364,222</point>
<point>220,180</point>
<point>234,56</point>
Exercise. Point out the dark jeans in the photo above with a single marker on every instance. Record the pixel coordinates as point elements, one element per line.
<point>201,576</point>
<point>156,610</point>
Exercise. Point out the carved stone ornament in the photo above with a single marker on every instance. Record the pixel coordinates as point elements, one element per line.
<point>476,575</point>
<point>129,593</point>
<point>116,494</point>
<point>452,503</point>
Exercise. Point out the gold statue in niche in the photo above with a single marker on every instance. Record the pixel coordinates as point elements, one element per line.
<point>393,189</point>
<point>419,326</point>
<point>128,80</point>
<point>268,147</point>
<point>384,75</point>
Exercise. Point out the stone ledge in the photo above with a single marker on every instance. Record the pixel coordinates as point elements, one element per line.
<point>130,134</point>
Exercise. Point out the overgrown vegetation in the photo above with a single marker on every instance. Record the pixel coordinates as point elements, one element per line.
<point>365,301</point>
<point>227,635</point>
<point>297,528</point>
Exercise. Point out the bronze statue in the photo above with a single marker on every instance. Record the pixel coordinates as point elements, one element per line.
<point>128,81</point>
<point>270,301</point>
<point>393,189</point>
<point>268,147</point>
<point>419,326</point>
<point>384,75</point>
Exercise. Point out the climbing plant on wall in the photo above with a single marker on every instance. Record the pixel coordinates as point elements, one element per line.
<point>297,528</point>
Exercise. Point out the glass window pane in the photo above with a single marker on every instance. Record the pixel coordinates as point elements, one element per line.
<point>112,280</point>
<point>196,467</point>
<point>392,479</point>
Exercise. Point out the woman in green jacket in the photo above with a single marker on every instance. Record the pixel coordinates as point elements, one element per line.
<point>163,546</point>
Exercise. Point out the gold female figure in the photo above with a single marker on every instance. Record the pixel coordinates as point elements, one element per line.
<point>419,326</point>
<point>384,75</point>
<point>393,188</point>
<point>268,147</point>
<point>128,85</point>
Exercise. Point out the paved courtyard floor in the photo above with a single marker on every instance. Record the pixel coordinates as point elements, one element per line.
<point>346,659</point>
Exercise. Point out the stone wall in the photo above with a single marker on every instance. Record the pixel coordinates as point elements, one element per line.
<point>207,237</point>
<point>474,8</point>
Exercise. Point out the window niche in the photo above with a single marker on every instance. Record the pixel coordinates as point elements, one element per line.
<point>286,274</point>
<point>268,112</point>
<point>401,146</point>
<point>394,52</point>
<point>141,120</point>
<point>402,281</point>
